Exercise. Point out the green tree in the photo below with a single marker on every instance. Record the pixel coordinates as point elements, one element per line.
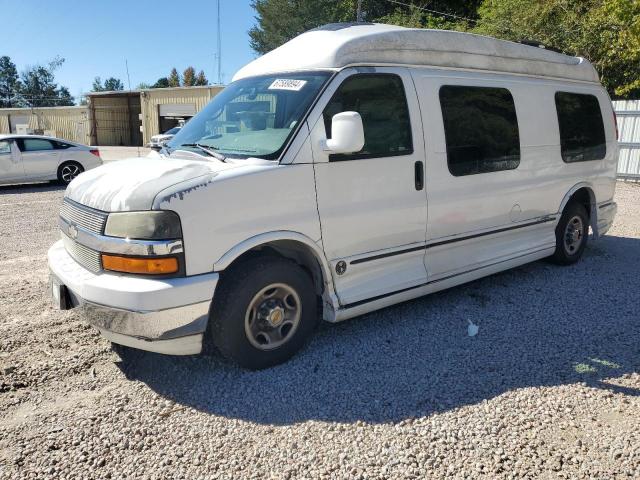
<point>9,82</point>
<point>280,20</point>
<point>174,78</point>
<point>201,79</point>
<point>162,82</point>
<point>189,77</point>
<point>111,84</point>
<point>97,85</point>
<point>606,32</point>
<point>39,89</point>
<point>143,86</point>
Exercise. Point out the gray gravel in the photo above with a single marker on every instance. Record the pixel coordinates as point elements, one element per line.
<point>549,388</point>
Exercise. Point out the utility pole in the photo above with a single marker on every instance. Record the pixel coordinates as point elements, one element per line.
<point>359,13</point>
<point>219,52</point>
<point>126,63</point>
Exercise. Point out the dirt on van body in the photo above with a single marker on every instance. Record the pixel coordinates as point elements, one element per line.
<point>548,388</point>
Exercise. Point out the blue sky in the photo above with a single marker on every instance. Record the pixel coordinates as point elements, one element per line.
<point>95,37</point>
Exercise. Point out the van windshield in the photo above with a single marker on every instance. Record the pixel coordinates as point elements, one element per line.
<point>252,117</point>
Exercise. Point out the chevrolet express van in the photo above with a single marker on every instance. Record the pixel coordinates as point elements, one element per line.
<point>356,166</point>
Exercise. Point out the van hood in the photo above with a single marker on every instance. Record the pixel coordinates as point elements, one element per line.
<point>133,184</point>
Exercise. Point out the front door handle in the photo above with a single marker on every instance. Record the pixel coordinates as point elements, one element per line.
<point>419,175</point>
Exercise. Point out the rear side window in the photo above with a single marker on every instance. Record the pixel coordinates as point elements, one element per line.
<point>34,145</point>
<point>582,135</point>
<point>481,129</point>
<point>380,100</point>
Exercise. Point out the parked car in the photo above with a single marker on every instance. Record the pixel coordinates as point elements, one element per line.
<point>158,141</point>
<point>34,158</point>
<point>350,169</point>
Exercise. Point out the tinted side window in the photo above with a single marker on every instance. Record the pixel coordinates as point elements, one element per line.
<point>380,100</point>
<point>35,145</point>
<point>582,135</point>
<point>481,129</point>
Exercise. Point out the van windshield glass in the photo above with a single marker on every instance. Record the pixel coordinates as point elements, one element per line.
<point>253,117</point>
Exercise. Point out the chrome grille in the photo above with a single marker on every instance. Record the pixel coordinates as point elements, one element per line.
<point>83,217</point>
<point>89,259</point>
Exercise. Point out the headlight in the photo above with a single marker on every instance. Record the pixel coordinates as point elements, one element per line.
<point>152,225</point>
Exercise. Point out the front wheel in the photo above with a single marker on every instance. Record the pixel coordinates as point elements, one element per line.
<point>572,233</point>
<point>68,171</point>
<point>263,311</point>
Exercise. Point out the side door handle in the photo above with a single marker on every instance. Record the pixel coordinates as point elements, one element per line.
<point>419,175</point>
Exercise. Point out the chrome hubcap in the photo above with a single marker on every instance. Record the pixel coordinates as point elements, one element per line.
<point>273,316</point>
<point>69,172</point>
<point>573,235</point>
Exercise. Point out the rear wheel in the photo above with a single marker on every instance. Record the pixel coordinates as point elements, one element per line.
<point>572,233</point>
<point>263,311</point>
<point>68,171</point>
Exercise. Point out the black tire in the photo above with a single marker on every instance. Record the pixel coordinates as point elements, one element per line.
<point>67,171</point>
<point>238,289</point>
<point>569,252</point>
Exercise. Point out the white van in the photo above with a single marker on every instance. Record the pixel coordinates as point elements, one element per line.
<point>354,167</point>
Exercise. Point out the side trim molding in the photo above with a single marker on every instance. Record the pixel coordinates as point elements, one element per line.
<point>422,285</point>
<point>453,240</point>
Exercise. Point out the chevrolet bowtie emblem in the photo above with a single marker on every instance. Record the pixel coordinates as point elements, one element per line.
<point>73,231</point>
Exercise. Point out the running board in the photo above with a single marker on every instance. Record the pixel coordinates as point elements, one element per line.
<point>362,307</point>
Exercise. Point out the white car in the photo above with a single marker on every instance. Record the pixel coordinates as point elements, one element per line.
<point>157,141</point>
<point>350,169</point>
<point>34,158</point>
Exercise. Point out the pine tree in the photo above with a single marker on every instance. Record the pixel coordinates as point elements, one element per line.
<point>189,77</point>
<point>174,78</point>
<point>201,80</point>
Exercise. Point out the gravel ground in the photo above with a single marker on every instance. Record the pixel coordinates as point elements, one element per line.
<point>549,388</point>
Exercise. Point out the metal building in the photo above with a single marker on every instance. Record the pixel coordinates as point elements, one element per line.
<point>131,118</point>
<point>71,123</point>
<point>163,108</point>
<point>628,113</point>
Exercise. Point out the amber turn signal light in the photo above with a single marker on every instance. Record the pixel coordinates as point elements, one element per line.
<point>144,265</point>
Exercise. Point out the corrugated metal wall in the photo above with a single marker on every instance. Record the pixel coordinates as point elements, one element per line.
<point>628,113</point>
<point>151,99</point>
<point>70,123</point>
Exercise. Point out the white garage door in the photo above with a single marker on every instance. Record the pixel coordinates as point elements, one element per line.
<point>177,110</point>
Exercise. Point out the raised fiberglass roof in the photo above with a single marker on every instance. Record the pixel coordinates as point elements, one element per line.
<point>338,45</point>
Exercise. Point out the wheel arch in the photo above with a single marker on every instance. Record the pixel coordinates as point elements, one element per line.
<point>584,194</point>
<point>292,245</point>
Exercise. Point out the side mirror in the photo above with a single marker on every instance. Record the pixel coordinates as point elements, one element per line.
<point>347,133</point>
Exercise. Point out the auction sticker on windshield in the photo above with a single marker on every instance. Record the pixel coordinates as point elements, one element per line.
<point>287,84</point>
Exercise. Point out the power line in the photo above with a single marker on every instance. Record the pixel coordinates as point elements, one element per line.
<point>458,17</point>
<point>502,23</point>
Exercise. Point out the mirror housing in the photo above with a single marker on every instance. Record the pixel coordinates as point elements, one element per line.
<point>347,133</point>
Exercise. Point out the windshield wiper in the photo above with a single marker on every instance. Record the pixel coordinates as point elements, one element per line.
<point>206,149</point>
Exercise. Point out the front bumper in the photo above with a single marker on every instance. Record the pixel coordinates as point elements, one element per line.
<point>165,316</point>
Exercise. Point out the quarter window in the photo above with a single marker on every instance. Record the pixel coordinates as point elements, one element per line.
<point>5,147</point>
<point>381,102</point>
<point>582,135</point>
<point>481,129</point>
